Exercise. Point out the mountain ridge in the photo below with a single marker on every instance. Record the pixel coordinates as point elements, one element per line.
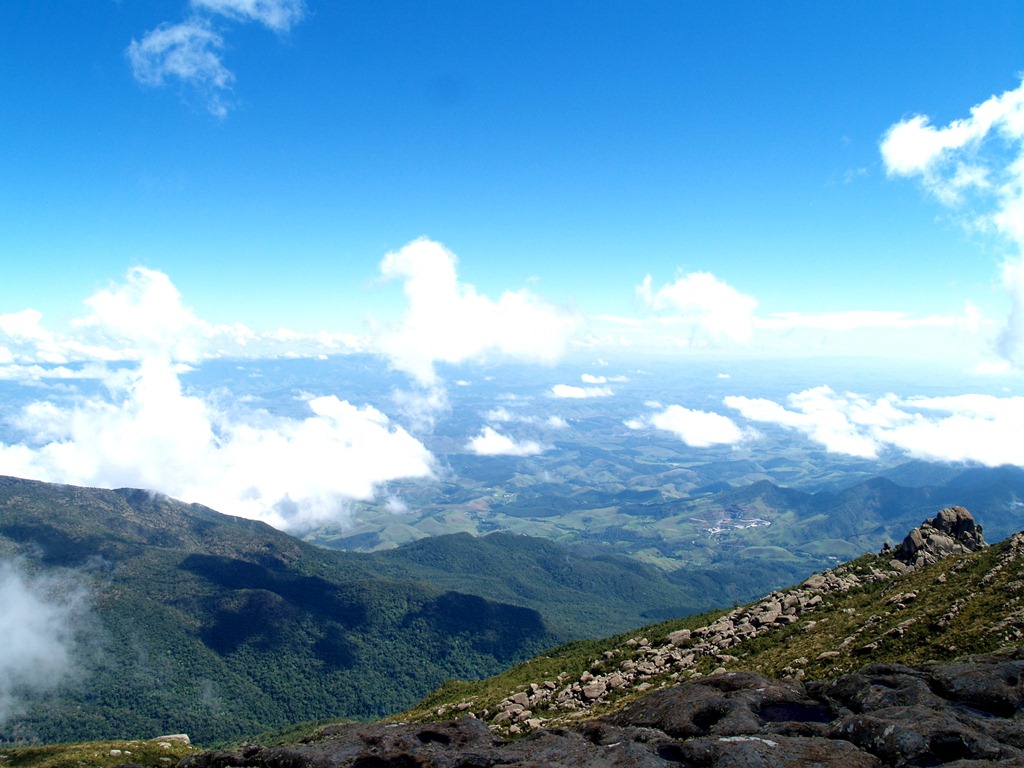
<point>702,695</point>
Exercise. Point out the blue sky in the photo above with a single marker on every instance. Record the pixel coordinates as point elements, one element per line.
<point>539,181</point>
<point>540,142</point>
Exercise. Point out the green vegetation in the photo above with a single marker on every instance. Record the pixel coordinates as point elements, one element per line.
<point>963,605</point>
<point>223,628</point>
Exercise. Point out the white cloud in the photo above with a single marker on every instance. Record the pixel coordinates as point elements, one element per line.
<point>588,378</point>
<point>145,315</point>
<point>556,422</point>
<point>842,423</point>
<point>140,318</point>
<point>965,428</point>
<point>569,391</point>
<point>492,443</point>
<point>42,621</point>
<point>975,166</point>
<point>448,321</point>
<point>189,52</point>
<point>698,429</point>
<point>709,309</point>
<point>278,15</point>
<point>150,434</point>
<point>975,428</point>
<point>145,431</point>
<point>499,415</point>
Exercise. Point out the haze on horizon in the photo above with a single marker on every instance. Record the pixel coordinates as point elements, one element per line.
<point>439,186</point>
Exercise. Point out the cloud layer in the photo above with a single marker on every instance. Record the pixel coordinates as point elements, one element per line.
<point>698,429</point>
<point>144,317</point>
<point>490,442</point>
<point>572,392</point>
<point>144,430</point>
<point>710,309</point>
<point>702,313</point>
<point>966,428</point>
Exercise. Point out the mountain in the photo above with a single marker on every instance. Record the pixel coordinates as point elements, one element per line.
<point>939,594</point>
<point>861,665</point>
<point>225,627</point>
<point>911,657</point>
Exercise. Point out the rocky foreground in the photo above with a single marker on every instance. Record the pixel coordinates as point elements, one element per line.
<point>963,714</point>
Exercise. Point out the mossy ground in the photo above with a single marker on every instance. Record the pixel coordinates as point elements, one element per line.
<point>96,754</point>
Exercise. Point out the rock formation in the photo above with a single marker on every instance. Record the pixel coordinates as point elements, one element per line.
<point>953,531</point>
<point>885,715</point>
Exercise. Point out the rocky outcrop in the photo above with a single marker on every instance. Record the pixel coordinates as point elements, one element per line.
<point>641,665</point>
<point>953,531</point>
<point>884,715</point>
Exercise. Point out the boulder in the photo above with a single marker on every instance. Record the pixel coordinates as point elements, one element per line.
<point>953,531</point>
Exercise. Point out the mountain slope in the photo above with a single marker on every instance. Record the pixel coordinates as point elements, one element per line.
<point>597,595</point>
<point>873,609</point>
<point>223,627</point>
<point>681,693</point>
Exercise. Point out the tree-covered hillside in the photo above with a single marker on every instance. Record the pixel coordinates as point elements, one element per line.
<point>224,627</point>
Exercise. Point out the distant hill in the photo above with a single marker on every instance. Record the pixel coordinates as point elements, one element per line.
<point>225,627</point>
<point>579,596</point>
<point>779,533</point>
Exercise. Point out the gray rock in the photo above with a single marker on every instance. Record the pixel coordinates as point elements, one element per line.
<point>952,531</point>
<point>966,713</point>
